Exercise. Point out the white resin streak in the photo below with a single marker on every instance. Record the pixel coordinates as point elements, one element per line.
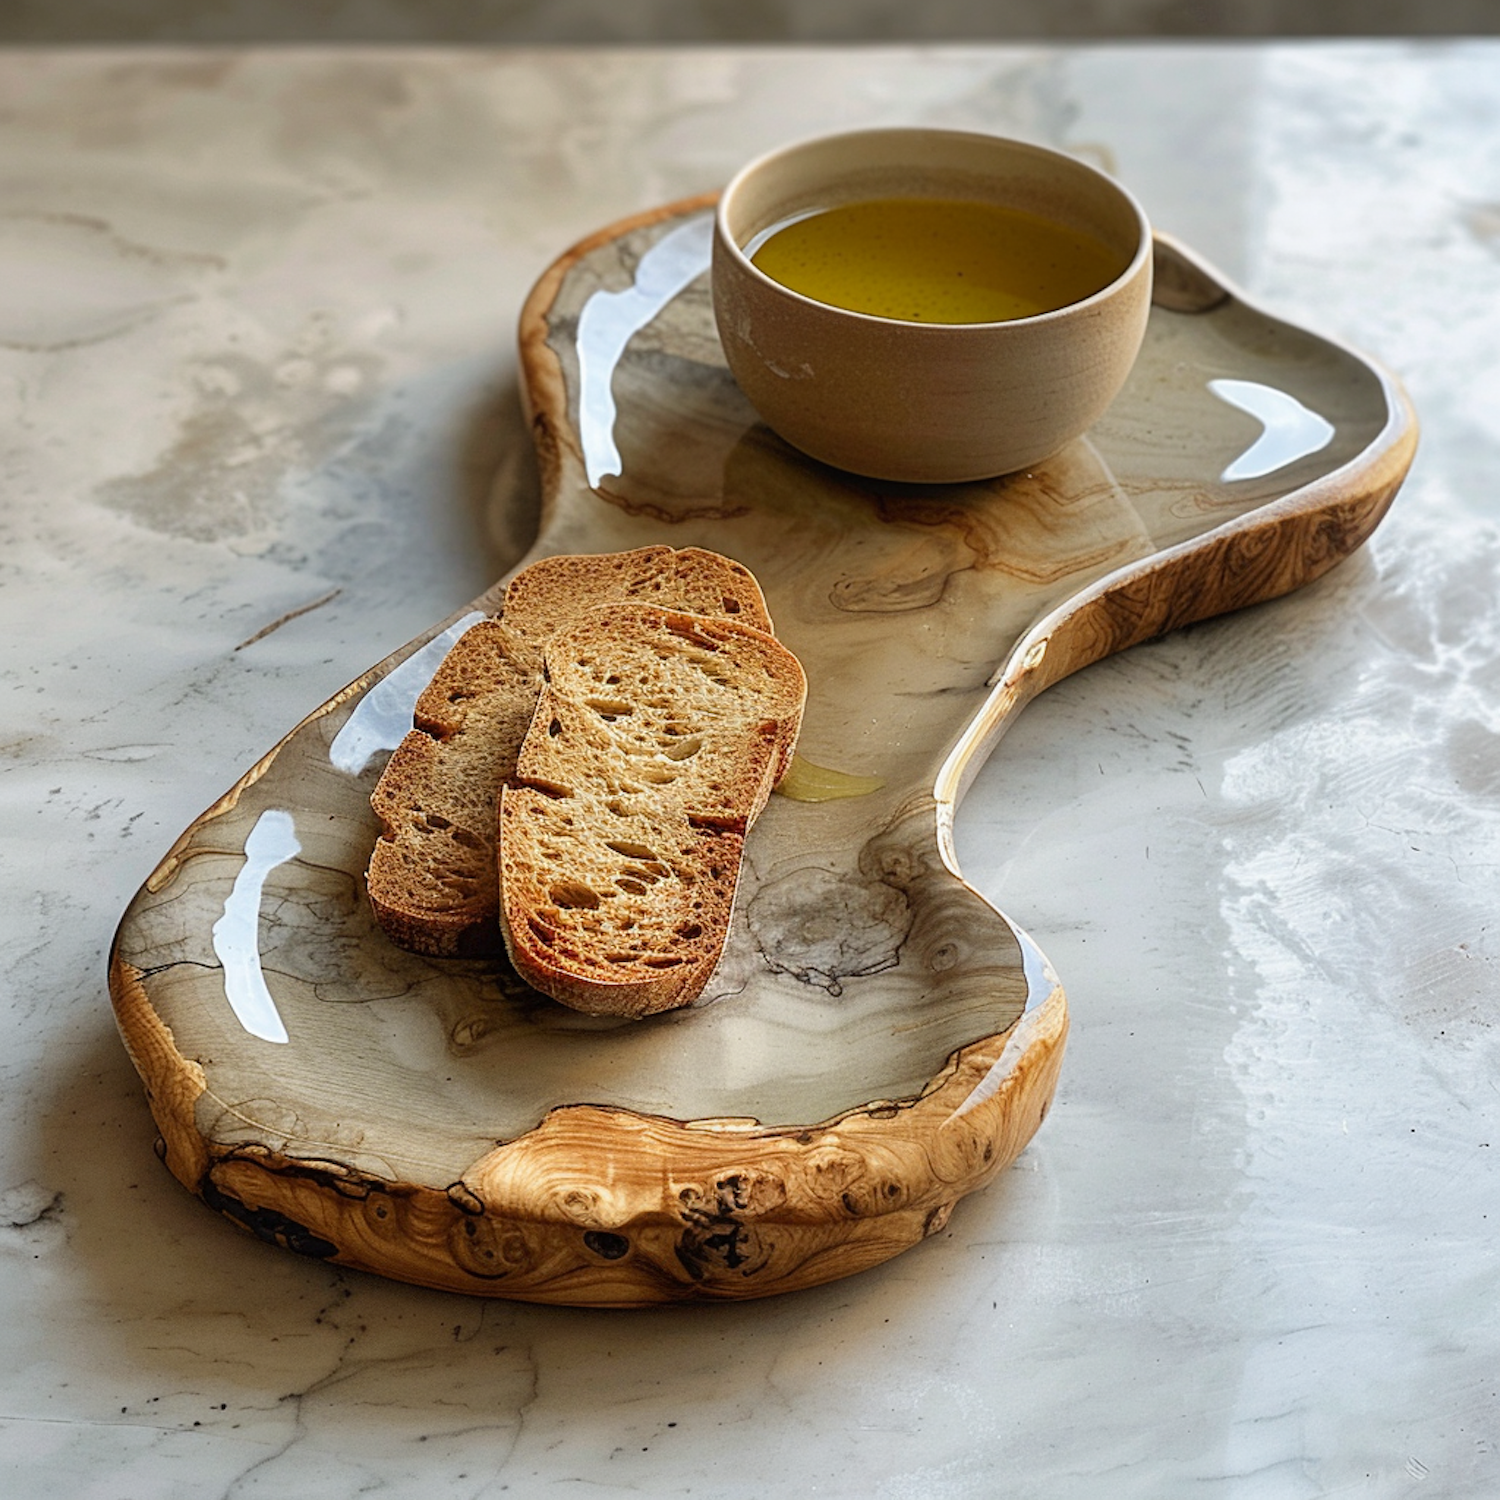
<point>272,842</point>
<point>382,718</point>
<point>1289,430</point>
<point>609,321</point>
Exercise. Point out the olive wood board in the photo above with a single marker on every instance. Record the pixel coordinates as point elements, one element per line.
<point>878,1040</point>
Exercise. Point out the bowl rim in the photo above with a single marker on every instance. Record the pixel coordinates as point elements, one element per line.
<point>724,240</point>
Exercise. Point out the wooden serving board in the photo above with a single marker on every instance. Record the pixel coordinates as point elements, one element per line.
<point>878,1040</point>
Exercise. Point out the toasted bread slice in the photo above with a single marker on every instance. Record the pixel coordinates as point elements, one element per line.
<point>657,740</point>
<point>432,876</point>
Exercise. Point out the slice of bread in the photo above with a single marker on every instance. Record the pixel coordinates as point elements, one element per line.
<point>432,878</point>
<point>657,740</point>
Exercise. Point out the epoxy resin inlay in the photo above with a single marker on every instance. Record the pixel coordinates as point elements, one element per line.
<point>935,260</point>
<point>236,935</point>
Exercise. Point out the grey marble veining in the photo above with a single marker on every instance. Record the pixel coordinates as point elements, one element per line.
<point>256,365</point>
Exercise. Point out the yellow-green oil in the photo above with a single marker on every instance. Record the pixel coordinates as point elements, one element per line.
<point>806,782</point>
<point>936,260</point>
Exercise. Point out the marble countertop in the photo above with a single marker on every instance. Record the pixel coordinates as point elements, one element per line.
<point>261,427</point>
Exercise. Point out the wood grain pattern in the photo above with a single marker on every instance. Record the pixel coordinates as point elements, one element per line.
<point>878,1041</point>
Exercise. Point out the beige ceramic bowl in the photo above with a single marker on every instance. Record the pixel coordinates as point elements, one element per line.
<point>927,402</point>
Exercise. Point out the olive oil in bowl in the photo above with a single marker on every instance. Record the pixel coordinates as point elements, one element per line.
<point>935,260</point>
<point>916,305</point>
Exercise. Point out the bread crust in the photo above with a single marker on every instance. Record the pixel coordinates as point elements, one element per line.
<point>656,742</point>
<point>432,878</point>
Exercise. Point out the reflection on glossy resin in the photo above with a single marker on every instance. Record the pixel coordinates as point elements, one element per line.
<point>236,935</point>
<point>1290,430</point>
<point>1042,984</point>
<point>611,319</point>
<point>383,715</point>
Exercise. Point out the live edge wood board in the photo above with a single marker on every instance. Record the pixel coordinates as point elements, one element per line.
<point>878,1041</point>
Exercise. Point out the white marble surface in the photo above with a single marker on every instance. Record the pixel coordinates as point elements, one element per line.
<point>256,322</point>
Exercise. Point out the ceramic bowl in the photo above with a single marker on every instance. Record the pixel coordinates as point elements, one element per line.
<point>928,403</point>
